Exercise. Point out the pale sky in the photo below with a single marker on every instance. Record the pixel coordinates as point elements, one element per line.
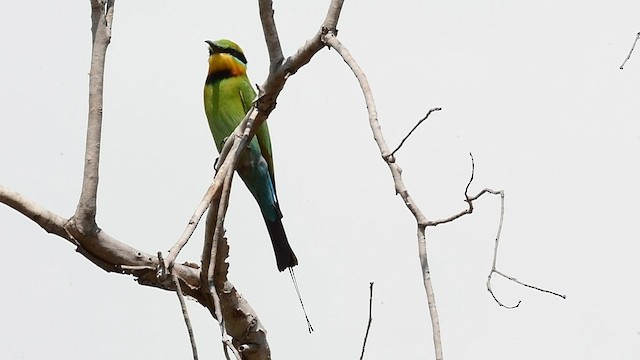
<point>532,89</point>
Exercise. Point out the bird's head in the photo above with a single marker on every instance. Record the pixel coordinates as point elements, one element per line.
<point>226,58</point>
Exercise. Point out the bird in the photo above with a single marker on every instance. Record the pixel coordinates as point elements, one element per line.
<point>228,95</point>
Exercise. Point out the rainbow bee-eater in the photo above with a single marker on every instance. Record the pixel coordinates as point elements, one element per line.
<point>228,95</point>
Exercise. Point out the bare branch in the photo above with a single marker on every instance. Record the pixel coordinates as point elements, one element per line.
<point>495,260</point>
<point>271,88</point>
<point>215,262</point>
<point>469,200</point>
<point>270,33</point>
<point>225,164</point>
<point>414,128</point>
<point>102,249</point>
<point>333,15</point>
<point>630,51</point>
<point>396,172</point>
<point>218,231</point>
<point>212,194</point>
<point>50,222</point>
<point>101,17</point>
<point>249,337</point>
<point>185,314</point>
<point>366,334</point>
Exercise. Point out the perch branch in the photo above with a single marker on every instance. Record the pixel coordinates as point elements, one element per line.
<point>331,40</point>
<point>216,187</point>
<point>630,51</point>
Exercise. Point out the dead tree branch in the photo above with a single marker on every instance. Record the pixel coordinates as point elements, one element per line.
<point>185,315</point>
<point>396,172</point>
<point>101,18</point>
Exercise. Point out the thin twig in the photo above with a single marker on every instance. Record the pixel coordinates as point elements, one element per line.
<point>495,260</point>
<point>530,286</point>
<point>630,51</point>
<point>468,210</point>
<point>414,128</point>
<point>366,334</point>
<point>185,314</point>
<point>212,192</point>
<point>468,199</point>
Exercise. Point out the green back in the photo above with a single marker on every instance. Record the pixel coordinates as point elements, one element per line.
<point>226,103</point>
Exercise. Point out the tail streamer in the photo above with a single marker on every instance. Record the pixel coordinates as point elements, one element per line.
<point>295,285</point>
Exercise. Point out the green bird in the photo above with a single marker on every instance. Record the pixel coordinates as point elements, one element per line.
<point>228,95</point>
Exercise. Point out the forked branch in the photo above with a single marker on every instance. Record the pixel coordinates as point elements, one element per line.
<point>421,221</point>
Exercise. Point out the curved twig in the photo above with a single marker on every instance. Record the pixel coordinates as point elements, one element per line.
<point>633,46</point>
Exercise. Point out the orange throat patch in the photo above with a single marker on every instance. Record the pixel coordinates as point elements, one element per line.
<point>225,63</point>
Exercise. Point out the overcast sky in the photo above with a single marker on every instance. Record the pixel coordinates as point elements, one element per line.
<point>532,89</point>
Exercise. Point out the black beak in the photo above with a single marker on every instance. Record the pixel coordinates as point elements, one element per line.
<point>213,48</point>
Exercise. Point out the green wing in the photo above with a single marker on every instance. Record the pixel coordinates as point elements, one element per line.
<point>262,134</point>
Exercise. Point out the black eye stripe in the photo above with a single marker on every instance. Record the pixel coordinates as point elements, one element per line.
<point>235,53</point>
